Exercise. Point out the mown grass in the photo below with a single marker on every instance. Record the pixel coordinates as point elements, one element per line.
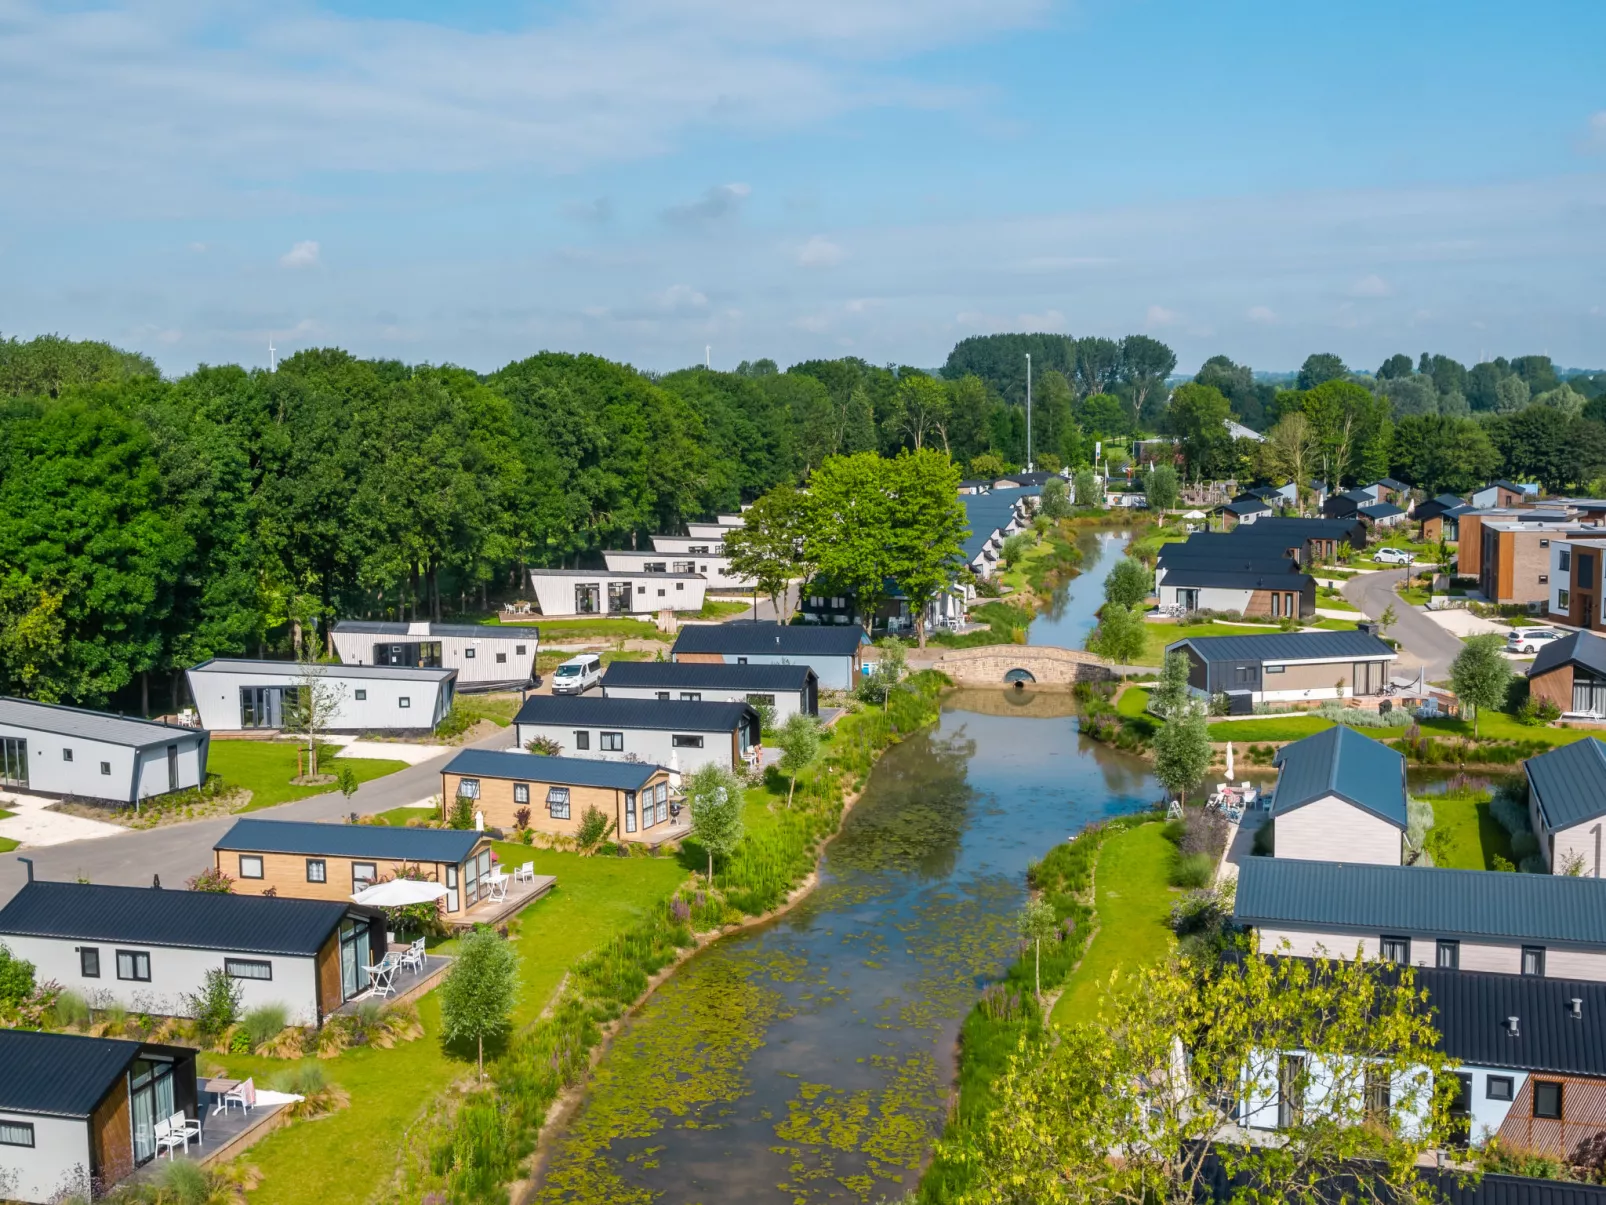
<point>1133,702</point>
<point>1278,728</point>
<point>1474,837</point>
<point>7,845</point>
<point>599,627</point>
<point>265,768</point>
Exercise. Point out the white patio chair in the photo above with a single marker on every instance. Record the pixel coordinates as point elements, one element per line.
<point>496,886</point>
<point>244,1095</point>
<point>525,873</point>
<point>413,957</point>
<point>190,1127</point>
<point>382,977</point>
<point>166,1140</point>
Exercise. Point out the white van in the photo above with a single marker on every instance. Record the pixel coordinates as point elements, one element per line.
<point>577,675</point>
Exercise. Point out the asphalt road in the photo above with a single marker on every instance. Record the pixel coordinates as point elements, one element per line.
<point>1422,642</point>
<point>177,851</point>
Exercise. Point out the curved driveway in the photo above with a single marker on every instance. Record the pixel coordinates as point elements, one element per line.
<point>1422,642</point>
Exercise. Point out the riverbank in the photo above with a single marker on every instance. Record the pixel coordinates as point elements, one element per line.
<point>478,1143</point>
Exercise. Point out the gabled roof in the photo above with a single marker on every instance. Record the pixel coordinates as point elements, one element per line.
<point>60,1074</point>
<point>1246,506</point>
<point>1421,901</point>
<point>1436,506</point>
<point>1358,495</point>
<point>424,631</point>
<point>1584,648</point>
<point>706,675</point>
<point>1390,483</point>
<point>659,714</point>
<point>1570,782</point>
<point>1471,1009</point>
<point>1196,573</point>
<point>1342,762</point>
<point>560,771</point>
<point>350,840</point>
<point>291,671</point>
<point>200,920</point>
<point>1288,646</point>
<point>793,640</point>
<point>90,725</point>
<point>1380,510</point>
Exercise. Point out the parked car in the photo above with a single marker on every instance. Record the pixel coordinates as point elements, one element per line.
<point>1531,640</point>
<point>1394,556</point>
<point>577,675</point>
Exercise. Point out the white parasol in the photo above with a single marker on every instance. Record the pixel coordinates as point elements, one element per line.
<point>398,893</point>
<point>1229,761</point>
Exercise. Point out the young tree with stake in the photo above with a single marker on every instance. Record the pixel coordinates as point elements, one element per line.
<point>1480,674</point>
<point>1035,922</point>
<point>480,990</point>
<point>312,708</point>
<point>714,797</point>
<point>799,739</point>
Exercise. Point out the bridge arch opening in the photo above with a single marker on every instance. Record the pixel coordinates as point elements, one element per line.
<point>1018,678</point>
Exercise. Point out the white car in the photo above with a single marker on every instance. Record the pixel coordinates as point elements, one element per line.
<point>1531,640</point>
<point>577,675</point>
<point>1394,556</point>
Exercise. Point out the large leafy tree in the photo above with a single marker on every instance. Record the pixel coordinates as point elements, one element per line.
<point>1000,361</point>
<point>1145,364</point>
<point>1098,365</point>
<point>1480,674</point>
<point>927,528</point>
<point>1321,368</point>
<point>771,546</point>
<point>850,527</point>
<point>1440,454</point>
<point>1351,428</point>
<point>1198,418</point>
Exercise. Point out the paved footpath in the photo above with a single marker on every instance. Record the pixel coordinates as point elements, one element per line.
<point>177,851</point>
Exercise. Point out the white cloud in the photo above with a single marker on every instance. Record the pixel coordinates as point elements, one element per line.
<point>1159,316</point>
<point>1049,320</point>
<point>718,204</point>
<point>1371,286</point>
<point>302,255</point>
<point>819,252</point>
<point>679,298</point>
<point>1261,313</point>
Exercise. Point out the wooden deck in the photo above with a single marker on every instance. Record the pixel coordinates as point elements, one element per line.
<point>410,985</point>
<point>494,912</point>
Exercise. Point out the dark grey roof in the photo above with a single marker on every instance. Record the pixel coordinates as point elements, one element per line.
<point>1288,646</point>
<point>350,840</point>
<point>293,669</point>
<point>1390,482</point>
<point>202,920</point>
<point>1195,573</point>
<point>471,631</point>
<point>706,675</point>
<point>1036,478</point>
<point>1356,495</point>
<point>1309,529</point>
<point>1342,762</point>
<point>564,771</point>
<point>606,574</point>
<point>1471,1009</point>
<point>792,640</point>
<point>1246,506</point>
<point>1369,898</point>
<point>90,725</point>
<point>1380,510</point>
<point>59,1074</point>
<point>1582,648</point>
<point>583,712</point>
<point>1570,782</point>
<point>1241,560</point>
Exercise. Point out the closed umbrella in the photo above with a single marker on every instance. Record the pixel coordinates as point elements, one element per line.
<point>1229,761</point>
<point>398,893</point>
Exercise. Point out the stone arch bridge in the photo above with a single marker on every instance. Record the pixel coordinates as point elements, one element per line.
<point>1029,664</point>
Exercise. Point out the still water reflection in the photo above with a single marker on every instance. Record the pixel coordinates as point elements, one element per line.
<point>808,1060</point>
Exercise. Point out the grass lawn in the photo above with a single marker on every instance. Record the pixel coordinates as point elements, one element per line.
<point>1476,837</point>
<point>1133,900</point>
<point>398,817</point>
<point>1497,725</point>
<point>1134,701</point>
<point>348,1155</point>
<point>546,662</point>
<point>498,708</point>
<point>1414,595</point>
<point>599,627</point>
<point>7,845</point>
<point>1332,600</point>
<point>1274,728</point>
<point>5,815</point>
<point>719,608</point>
<point>266,768</point>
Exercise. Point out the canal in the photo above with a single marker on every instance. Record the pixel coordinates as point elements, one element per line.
<point>809,1060</point>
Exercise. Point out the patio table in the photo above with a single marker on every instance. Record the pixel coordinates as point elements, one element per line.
<point>219,1088</point>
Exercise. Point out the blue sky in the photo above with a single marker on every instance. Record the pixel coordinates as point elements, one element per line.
<point>478,181</point>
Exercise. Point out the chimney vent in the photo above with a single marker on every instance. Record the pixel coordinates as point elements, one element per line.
<point>1575,1008</point>
<point>1511,1026</point>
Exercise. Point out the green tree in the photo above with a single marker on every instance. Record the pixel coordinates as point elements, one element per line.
<point>928,527</point>
<point>480,991</point>
<point>987,466</point>
<point>850,534</point>
<point>1182,750</point>
<point>1000,360</point>
<point>1320,368</point>
<point>1055,502</point>
<point>1480,674</point>
<point>1121,634</point>
<point>799,741</point>
<point>1129,582</point>
<point>1171,693</point>
<point>1347,421</point>
<point>1085,489</point>
<point>1035,923</point>
<point>1160,488</point>
<point>1104,415</point>
<point>714,798</point>
<point>1158,1073</point>
<point>1441,454</point>
<point>1396,366</point>
<point>1511,395</point>
<point>770,548</point>
<point>1098,365</point>
<point>1198,418</point>
<point>1145,364</point>
<point>1387,620</point>
<point>1290,452</point>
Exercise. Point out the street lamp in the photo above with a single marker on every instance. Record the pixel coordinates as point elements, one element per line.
<point>1028,412</point>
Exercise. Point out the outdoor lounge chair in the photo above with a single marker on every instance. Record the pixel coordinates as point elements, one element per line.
<point>413,958</point>
<point>245,1096</point>
<point>525,873</point>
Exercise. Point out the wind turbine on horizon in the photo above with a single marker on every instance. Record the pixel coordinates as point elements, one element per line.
<point>273,362</point>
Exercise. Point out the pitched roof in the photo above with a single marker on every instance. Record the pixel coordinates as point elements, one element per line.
<point>1581,648</point>
<point>1288,646</point>
<point>1421,901</point>
<point>1380,510</point>
<point>1310,529</point>
<point>1390,483</point>
<point>1356,495</point>
<point>768,638</point>
<point>1471,1011</point>
<point>1570,782</point>
<point>680,715</point>
<point>1246,506</point>
<point>706,675</point>
<point>202,920</point>
<point>471,631</point>
<point>563,771</point>
<point>60,1074</point>
<point>1197,573</point>
<point>90,725</point>
<point>350,840</point>
<point>292,670</point>
<point>616,574</point>
<point>1342,762</point>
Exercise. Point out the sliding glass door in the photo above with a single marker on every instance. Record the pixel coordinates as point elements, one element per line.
<point>150,1099</point>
